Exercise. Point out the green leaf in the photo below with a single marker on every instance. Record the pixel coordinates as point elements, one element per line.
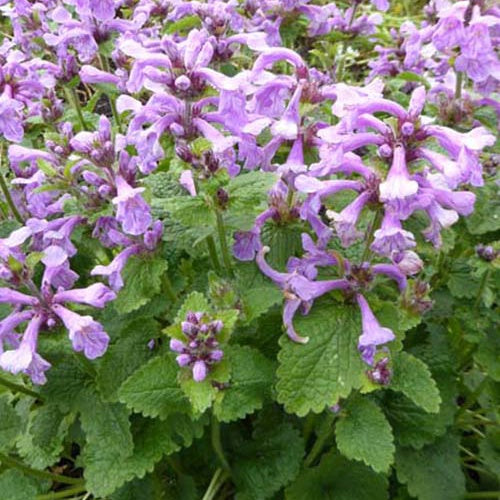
<point>461,283</point>
<point>14,485</point>
<point>153,390</point>
<point>108,441</point>
<point>185,24</point>
<point>365,434</point>
<point>124,356</point>
<point>486,216</point>
<point>489,448</point>
<point>152,440</point>
<point>251,380</point>
<point>195,302</point>
<point>258,294</point>
<point>268,462</point>
<point>49,427</point>
<point>432,473</point>
<point>10,424</point>
<point>488,354</point>
<point>328,367</point>
<point>142,277</point>
<point>412,377</point>
<point>337,478</point>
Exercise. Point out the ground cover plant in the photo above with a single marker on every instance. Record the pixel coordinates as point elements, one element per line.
<point>249,250</point>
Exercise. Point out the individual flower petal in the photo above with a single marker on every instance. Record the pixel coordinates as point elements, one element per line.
<point>85,334</point>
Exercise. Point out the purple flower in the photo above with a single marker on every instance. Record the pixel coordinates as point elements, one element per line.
<point>85,334</point>
<point>132,211</point>
<point>25,359</point>
<point>398,186</point>
<point>373,334</point>
<point>298,290</point>
<point>10,119</point>
<point>345,221</point>
<point>187,182</point>
<point>391,237</point>
<point>114,269</point>
<point>96,295</point>
<point>200,349</point>
<point>199,371</point>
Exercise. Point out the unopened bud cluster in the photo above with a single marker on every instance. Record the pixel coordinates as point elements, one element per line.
<point>200,349</point>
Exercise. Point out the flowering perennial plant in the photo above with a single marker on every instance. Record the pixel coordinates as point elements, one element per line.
<point>269,230</point>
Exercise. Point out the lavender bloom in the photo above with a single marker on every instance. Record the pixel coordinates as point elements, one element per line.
<point>85,334</point>
<point>373,334</point>
<point>10,119</point>
<point>299,292</point>
<point>391,237</point>
<point>345,221</point>
<point>25,358</point>
<point>398,186</point>
<point>96,295</point>
<point>132,211</point>
<point>114,269</point>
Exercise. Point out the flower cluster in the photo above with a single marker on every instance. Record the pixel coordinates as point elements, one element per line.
<point>201,349</point>
<point>95,96</point>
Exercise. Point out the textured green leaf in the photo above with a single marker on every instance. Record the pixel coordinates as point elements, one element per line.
<point>66,385</point>
<point>432,473</point>
<point>461,282</point>
<point>152,440</point>
<point>412,377</point>
<point>10,424</point>
<point>153,389</point>
<point>14,485</point>
<point>365,434</point>
<point>125,355</point>
<point>328,367</point>
<point>251,379</point>
<point>49,427</point>
<point>142,277</point>
<point>486,216</point>
<point>268,462</point>
<point>337,478</point>
<point>488,354</point>
<point>108,441</point>
<point>258,294</point>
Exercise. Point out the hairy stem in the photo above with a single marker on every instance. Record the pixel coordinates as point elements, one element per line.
<point>218,479</point>
<point>217,443</point>
<point>369,235</point>
<point>458,85</point>
<point>6,192</point>
<point>20,388</point>
<point>41,474</point>
<point>212,251</point>
<point>324,433</point>
<point>75,102</point>
<point>221,231</point>
<point>69,492</point>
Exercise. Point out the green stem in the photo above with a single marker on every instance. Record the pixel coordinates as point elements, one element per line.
<point>20,388</point>
<point>6,192</point>
<point>482,286</point>
<point>217,443</point>
<point>41,474</point>
<point>212,251</point>
<point>458,85</point>
<point>75,102</point>
<point>221,231</point>
<point>218,479</point>
<point>484,494</point>
<point>324,432</point>
<point>168,288</point>
<point>369,235</point>
<point>116,116</point>
<point>69,492</point>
